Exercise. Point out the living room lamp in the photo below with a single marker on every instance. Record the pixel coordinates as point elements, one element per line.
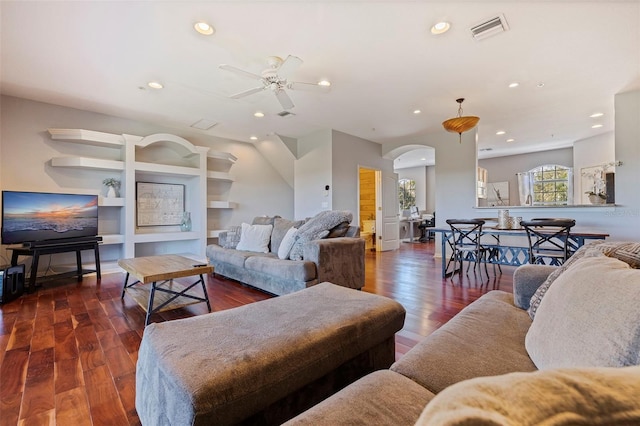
<point>460,124</point>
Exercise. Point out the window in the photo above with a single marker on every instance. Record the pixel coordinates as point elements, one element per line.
<point>551,185</point>
<point>406,193</point>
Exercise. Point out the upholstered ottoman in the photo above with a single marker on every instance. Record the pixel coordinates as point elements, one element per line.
<point>265,362</point>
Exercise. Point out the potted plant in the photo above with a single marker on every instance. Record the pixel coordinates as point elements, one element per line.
<point>111,184</point>
<point>597,197</point>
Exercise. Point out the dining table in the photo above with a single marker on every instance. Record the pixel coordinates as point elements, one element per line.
<point>510,246</point>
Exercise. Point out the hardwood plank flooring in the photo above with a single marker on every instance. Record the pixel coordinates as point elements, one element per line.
<point>68,351</point>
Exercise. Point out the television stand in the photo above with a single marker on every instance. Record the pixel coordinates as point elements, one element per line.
<point>35,250</point>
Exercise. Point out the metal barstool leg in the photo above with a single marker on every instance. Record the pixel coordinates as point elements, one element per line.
<point>484,258</point>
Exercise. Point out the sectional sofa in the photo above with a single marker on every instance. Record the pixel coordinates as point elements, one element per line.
<point>563,349</point>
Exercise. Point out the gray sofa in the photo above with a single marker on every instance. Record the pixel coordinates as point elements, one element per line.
<point>336,259</point>
<point>479,367</point>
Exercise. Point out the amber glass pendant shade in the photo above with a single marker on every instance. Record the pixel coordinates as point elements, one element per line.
<point>460,124</point>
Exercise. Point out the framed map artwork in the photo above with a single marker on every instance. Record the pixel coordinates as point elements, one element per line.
<point>159,204</point>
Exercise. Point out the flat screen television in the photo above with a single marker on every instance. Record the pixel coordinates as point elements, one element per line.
<point>28,217</point>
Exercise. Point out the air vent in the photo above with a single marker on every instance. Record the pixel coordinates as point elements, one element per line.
<point>285,113</point>
<point>204,124</point>
<point>489,28</point>
<point>485,149</point>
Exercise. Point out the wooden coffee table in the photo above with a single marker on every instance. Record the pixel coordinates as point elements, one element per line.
<point>160,271</point>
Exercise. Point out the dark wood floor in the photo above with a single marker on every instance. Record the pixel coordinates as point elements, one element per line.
<point>68,351</point>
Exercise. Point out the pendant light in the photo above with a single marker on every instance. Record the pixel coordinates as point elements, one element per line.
<point>460,124</point>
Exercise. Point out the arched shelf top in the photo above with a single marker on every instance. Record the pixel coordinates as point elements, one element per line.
<point>184,146</point>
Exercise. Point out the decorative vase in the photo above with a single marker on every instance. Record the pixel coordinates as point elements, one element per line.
<point>111,192</point>
<point>504,220</point>
<point>185,224</point>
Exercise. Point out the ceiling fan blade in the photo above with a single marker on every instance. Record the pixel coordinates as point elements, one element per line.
<point>284,99</point>
<point>288,66</point>
<point>240,72</point>
<point>309,87</point>
<point>247,92</point>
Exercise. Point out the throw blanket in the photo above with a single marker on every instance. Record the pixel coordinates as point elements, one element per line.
<point>316,228</point>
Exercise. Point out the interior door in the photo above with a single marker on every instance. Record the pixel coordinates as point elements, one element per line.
<point>388,222</point>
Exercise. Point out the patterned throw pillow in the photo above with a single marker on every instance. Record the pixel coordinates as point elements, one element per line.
<point>628,252</point>
<point>233,237</point>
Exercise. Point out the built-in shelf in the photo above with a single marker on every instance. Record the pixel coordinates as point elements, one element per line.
<point>87,163</point>
<point>225,160</point>
<point>214,233</point>
<point>110,201</point>
<point>165,169</point>
<point>154,237</point>
<point>221,205</point>
<point>219,176</point>
<point>135,154</point>
<point>223,156</point>
<point>108,239</point>
<point>87,137</point>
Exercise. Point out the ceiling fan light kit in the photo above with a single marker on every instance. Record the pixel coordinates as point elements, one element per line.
<point>275,78</point>
<point>460,124</point>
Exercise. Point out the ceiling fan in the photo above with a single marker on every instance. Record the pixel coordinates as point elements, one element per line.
<point>275,78</point>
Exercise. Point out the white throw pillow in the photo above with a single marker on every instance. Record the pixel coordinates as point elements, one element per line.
<point>255,238</point>
<point>287,242</point>
<point>589,317</point>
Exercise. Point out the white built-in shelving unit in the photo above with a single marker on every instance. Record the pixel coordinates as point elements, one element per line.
<point>218,175</point>
<point>158,158</point>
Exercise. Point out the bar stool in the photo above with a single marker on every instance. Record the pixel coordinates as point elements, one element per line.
<point>548,239</point>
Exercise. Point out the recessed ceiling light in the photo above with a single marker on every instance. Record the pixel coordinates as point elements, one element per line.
<point>539,85</point>
<point>325,83</point>
<point>155,85</point>
<point>514,84</point>
<point>203,28</point>
<point>596,115</point>
<point>440,27</point>
<point>423,159</point>
<point>510,140</point>
<point>258,114</point>
<point>416,111</point>
<point>596,126</point>
<point>253,138</point>
<point>500,132</point>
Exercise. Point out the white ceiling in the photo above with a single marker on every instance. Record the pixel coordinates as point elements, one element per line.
<point>381,58</point>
